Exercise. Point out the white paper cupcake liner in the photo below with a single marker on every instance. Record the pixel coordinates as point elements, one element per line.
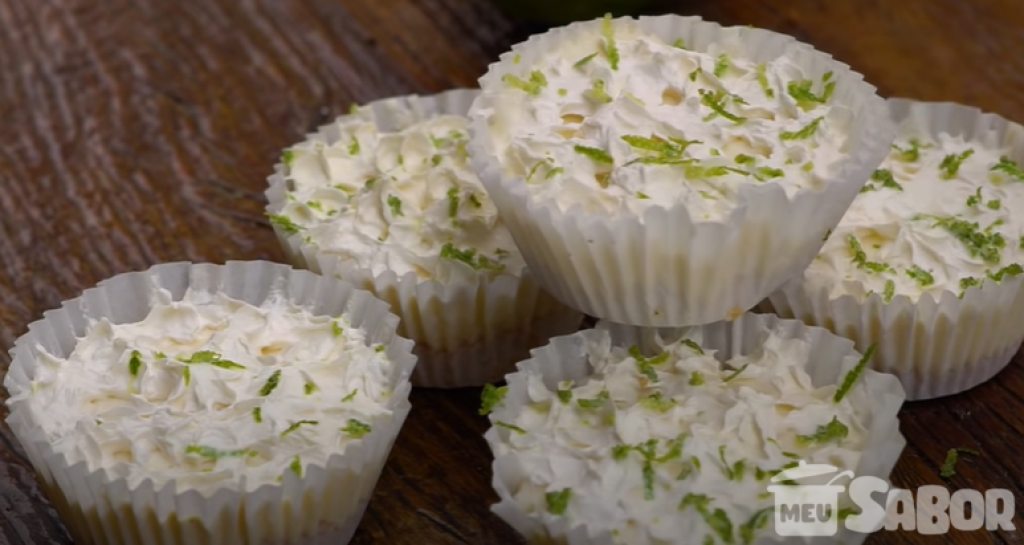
<point>466,334</point>
<point>664,268</point>
<point>565,358</point>
<point>322,507</point>
<point>935,346</point>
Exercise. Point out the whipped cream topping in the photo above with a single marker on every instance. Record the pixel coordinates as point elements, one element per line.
<point>676,448</point>
<point>211,392</point>
<point>940,214</point>
<point>405,201</point>
<point>615,120</point>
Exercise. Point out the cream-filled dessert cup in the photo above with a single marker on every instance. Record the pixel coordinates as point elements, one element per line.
<point>246,403</point>
<point>386,198</point>
<point>625,435</point>
<point>927,262</point>
<point>667,171</point>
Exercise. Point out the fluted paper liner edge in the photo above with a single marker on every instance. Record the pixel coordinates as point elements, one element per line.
<point>565,358</point>
<point>466,334</point>
<point>323,506</point>
<point>936,346</point>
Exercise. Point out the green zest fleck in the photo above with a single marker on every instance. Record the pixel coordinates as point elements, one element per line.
<point>288,157</point>
<point>296,466</point>
<point>135,363</point>
<point>805,99</point>
<point>642,195</point>
<point>533,86</point>
<point>598,92</point>
<point>975,200</point>
<point>565,394</point>
<point>298,425</point>
<point>350,396</point>
<point>475,201</point>
<point>655,402</point>
<point>210,452</point>
<point>355,428</point>
<point>889,291</point>
<point>861,259</point>
<point>272,383</point>
<point>993,204</point>
<point>645,366</point>
<point>1008,167</point>
<point>310,388</point>
<point>453,202</point>
<point>910,154</point>
<point>284,223</point>
<point>553,172</point>
<point>834,431</point>
<point>732,472</point>
<point>854,374</point>
<point>353,109</point>
<point>336,329</point>
<point>952,456</point>
<point>921,276</point>
<point>689,343</point>
<point>490,397</point>
<point>721,65</point>
<point>757,521</point>
<point>517,59</point>
<point>395,204</point>
<point>803,133</point>
<point>1009,270</point>
<point>186,374</point>
<point>609,42</point>
<point>767,173</point>
<point>595,403</point>
<point>353,148</point>
<point>762,80</point>
<point>583,62</point>
<point>511,428</point>
<point>594,154</point>
<point>436,160</point>
<point>966,283</point>
<point>257,415</point>
<point>214,359</point>
<point>950,164</point>
<point>742,159</point>
<point>557,502</point>
<point>717,520</point>
<point>470,257</point>
<point>979,244</point>
<point>716,101</point>
<point>695,73</point>
<point>735,373</point>
<point>679,44</point>
<point>885,177</point>
<point>696,378</point>
<point>563,92</point>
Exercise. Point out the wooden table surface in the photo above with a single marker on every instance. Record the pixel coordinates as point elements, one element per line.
<point>134,132</point>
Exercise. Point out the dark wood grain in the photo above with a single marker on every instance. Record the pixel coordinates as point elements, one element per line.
<point>138,132</point>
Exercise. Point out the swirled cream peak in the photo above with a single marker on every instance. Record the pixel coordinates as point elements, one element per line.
<point>404,201</point>
<point>618,120</point>
<point>940,214</point>
<point>675,447</point>
<point>211,392</point>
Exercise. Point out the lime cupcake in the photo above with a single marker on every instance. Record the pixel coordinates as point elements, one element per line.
<point>386,198</point>
<point>622,435</point>
<point>667,171</point>
<point>926,263</point>
<point>244,403</point>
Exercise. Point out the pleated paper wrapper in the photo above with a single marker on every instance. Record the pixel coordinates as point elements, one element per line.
<point>936,346</point>
<point>323,507</point>
<point>664,268</point>
<point>566,358</point>
<point>466,334</point>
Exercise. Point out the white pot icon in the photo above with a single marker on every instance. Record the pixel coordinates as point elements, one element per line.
<point>807,509</point>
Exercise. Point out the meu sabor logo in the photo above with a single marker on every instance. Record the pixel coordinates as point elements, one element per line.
<point>813,509</point>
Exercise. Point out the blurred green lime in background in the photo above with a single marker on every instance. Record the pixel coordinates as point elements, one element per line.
<point>559,12</point>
